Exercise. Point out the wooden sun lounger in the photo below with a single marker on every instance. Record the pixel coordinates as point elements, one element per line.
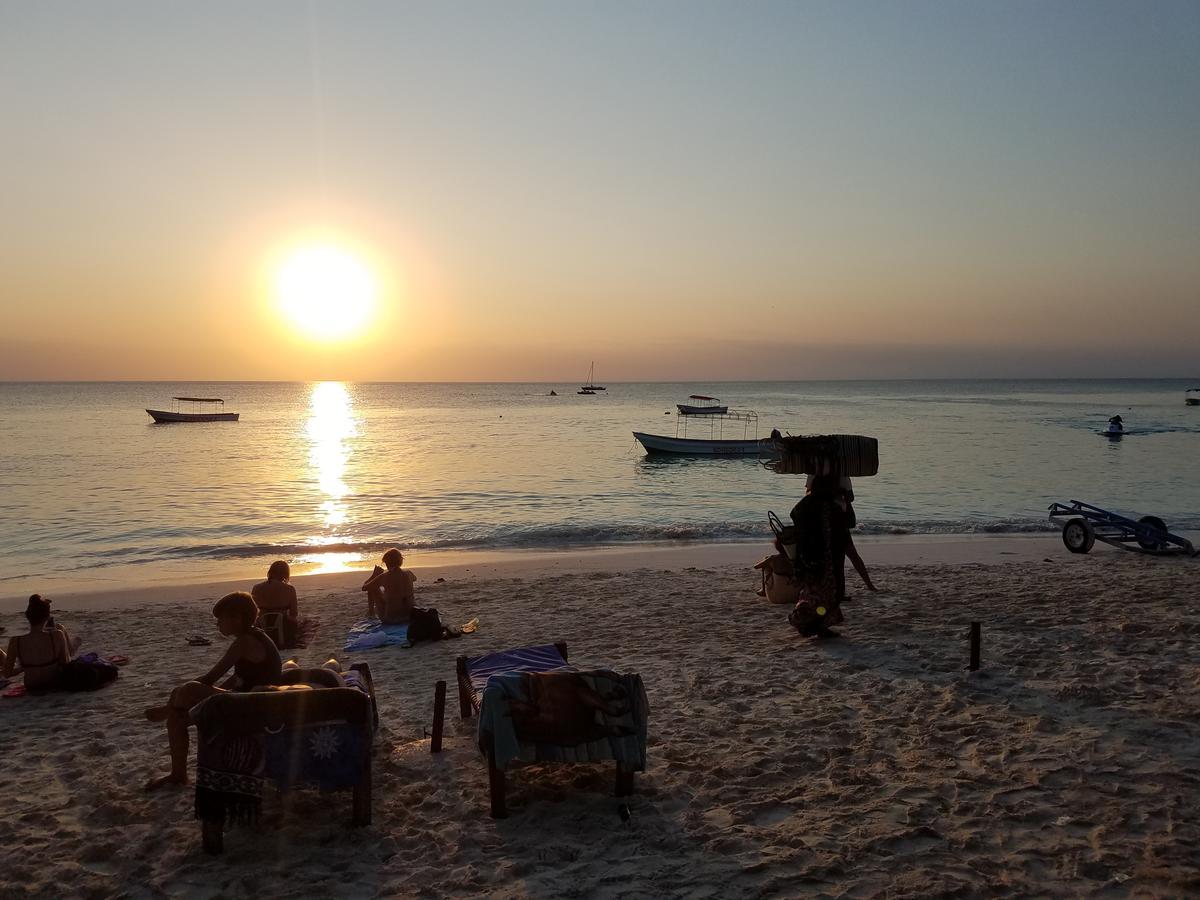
<point>226,714</point>
<point>473,673</point>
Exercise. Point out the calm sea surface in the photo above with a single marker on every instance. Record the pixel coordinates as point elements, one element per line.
<point>327,475</point>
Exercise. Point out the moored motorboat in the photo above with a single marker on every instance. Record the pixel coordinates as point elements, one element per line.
<point>676,446</point>
<point>1192,396</point>
<point>216,414</point>
<point>707,406</point>
<point>721,424</point>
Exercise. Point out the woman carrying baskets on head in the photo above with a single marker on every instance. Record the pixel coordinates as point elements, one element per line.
<point>822,535</point>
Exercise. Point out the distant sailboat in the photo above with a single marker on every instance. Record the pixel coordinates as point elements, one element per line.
<point>591,387</point>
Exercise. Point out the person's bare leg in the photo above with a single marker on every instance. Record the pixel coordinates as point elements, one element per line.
<point>183,698</point>
<point>374,603</point>
<point>859,566</point>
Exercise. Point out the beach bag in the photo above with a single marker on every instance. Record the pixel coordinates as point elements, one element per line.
<point>87,673</point>
<point>424,625</point>
<point>782,588</point>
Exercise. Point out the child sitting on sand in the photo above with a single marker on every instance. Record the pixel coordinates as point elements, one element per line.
<point>390,591</point>
<point>254,660</point>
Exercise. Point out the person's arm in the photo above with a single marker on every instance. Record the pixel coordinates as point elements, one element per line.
<point>62,647</point>
<point>374,579</point>
<point>10,661</point>
<point>232,655</point>
<point>293,609</point>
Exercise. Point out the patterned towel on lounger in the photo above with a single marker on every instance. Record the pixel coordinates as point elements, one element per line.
<point>565,716</point>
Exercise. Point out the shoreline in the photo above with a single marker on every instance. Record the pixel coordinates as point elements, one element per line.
<point>474,565</point>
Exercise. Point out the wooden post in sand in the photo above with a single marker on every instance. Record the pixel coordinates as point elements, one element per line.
<point>974,647</point>
<point>439,716</point>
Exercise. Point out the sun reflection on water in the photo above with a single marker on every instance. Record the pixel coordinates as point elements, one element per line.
<point>329,427</point>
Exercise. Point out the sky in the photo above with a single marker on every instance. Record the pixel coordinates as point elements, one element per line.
<point>675,190</point>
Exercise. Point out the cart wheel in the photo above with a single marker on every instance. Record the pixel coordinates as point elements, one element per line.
<point>1079,536</point>
<point>1153,522</point>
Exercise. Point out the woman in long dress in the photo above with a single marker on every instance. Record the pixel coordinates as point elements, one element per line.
<point>822,535</point>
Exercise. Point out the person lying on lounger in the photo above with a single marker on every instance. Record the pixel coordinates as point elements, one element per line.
<point>390,591</point>
<point>276,594</point>
<point>255,663</point>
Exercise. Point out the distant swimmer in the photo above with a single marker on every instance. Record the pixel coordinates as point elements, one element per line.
<point>1116,425</point>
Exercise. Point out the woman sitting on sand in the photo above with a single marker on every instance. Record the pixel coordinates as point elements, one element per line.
<point>44,652</point>
<point>390,591</point>
<point>254,660</point>
<point>821,538</point>
<point>276,594</point>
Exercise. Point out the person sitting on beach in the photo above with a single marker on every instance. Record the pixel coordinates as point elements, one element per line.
<point>821,536</point>
<point>276,594</point>
<point>255,663</point>
<point>390,591</point>
<point>41,654</point>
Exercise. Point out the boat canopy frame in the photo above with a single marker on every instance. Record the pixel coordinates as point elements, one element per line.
<point>195,400</point>
<point>719,422</point>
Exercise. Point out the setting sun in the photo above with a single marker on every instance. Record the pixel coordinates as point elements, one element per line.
<point>325,292</point>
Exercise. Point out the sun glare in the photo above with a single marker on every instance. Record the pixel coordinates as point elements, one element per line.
<point>325,292</point>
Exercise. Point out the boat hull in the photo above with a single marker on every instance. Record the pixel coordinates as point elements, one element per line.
<point>674,446</point>
<point>1192,401</point>
<point>685,410</point>
<point>164,416</point>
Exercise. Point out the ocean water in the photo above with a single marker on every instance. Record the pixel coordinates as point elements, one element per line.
<point>328,475</point>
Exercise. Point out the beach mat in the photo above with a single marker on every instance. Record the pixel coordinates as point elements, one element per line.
<point>367,634</point>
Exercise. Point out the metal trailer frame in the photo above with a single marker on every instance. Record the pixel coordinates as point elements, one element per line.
<point>1085,524</point>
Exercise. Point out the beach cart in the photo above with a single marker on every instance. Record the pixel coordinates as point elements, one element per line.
<point>1085,524</point>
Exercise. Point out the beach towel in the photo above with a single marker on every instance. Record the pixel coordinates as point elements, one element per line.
<point>565,716</point>
<point>286,737</point>
<point>367,634</point>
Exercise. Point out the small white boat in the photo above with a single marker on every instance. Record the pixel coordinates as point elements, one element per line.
<point>675,446</point>
<point>1192,396</point>
<point>195,413</point>
<point>718,434</point>
<point>707,406</point>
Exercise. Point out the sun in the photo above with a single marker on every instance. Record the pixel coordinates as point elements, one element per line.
<point>325,292</point>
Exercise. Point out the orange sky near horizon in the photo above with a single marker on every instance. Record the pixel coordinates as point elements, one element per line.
<point>770,193</point>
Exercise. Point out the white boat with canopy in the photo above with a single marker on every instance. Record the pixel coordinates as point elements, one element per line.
<point>704,406</point>
<point>202,409</point>
<point>724,432</point>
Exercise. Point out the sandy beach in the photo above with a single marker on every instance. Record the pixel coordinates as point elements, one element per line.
<point>872,765</point>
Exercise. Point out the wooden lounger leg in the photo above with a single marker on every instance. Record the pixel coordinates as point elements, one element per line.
<point>211,836</point>
<point>464,680</point>
<point>439,717</point>
<point>496,786</point>
<point>362,799</point>
<point>624,781</point>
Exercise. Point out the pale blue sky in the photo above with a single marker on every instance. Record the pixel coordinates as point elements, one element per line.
<point>683,190</point>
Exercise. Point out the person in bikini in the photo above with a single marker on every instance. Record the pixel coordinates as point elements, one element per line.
<point>41,654</point>
<point>255,663</point>
<point>390,591</point>
<point>276,594</point>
